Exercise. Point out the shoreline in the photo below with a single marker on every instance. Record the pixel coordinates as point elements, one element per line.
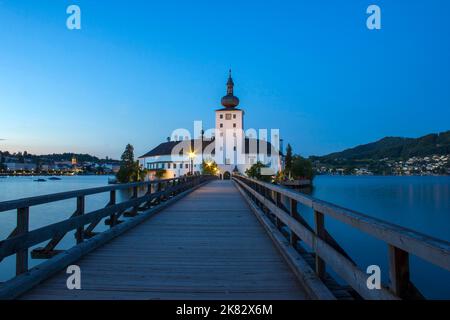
<point>52,174</point>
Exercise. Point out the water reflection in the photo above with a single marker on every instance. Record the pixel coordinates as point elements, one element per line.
<point>419,203</point>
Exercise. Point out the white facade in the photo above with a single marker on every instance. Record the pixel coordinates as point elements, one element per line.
<point>229,132</point>
<point>172,166</point>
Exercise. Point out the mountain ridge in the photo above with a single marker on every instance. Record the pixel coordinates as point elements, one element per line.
<point>394,148</point>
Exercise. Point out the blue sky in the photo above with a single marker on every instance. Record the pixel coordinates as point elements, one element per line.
<point>139,69</point>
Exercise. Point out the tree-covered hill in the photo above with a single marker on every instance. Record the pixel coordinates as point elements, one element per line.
<point>394,148</point>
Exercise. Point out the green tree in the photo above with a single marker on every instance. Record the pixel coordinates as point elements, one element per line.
<point>209,167</point>
<point>129,171</point>
<point>255,172</point>
<point>302,168</point>
<point>288,160</point>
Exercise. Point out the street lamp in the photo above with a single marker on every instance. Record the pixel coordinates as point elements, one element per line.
<point>192,156</point>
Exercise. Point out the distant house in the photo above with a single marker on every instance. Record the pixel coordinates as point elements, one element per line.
<point>15,166</point>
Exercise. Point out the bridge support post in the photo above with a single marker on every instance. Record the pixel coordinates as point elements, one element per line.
<point>399,271</point>
<point>293,212</point>
<point>257,188</point>
<point>134,210</point>
<point>277,198</point>
<point>112,201</point>
<point>320,232</point>
<point>79,234</point>
<point>23,218</point>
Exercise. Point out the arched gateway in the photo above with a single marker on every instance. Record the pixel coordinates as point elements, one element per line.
<point>227,175</point>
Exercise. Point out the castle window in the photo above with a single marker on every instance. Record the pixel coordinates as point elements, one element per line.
<point>221,116</point>
<point>221,125</point>
<point>168,166</point>
<point>234,116</point>
<point>186,165</point>
<point>234,125</point>
<point>174,165</point>
<point>228,116</point>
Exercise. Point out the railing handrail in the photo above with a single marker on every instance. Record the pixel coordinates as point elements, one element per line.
<point>37,200</point>
<point>137,208</point>
<point>434,250</point>
<point>401,242</point>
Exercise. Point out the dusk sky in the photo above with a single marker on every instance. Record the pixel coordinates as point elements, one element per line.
<point>139,69</point>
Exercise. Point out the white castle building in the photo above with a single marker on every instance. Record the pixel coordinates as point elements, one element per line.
<point>232,148</point>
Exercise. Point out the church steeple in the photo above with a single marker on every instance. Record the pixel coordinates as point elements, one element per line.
<point>230,101</point>
<point>230,84</point>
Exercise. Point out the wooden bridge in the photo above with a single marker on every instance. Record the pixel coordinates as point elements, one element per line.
<point>201,238</point>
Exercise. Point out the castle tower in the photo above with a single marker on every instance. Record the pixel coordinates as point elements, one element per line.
<point>229,126</point>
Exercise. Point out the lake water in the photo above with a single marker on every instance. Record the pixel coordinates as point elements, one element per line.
<point>20,187</point>
<point>419,203</point>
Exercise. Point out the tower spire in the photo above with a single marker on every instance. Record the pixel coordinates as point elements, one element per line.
<point>230,84</point>
<point>230,101</point>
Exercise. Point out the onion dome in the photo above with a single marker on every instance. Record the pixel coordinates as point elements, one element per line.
<point>230,101</point>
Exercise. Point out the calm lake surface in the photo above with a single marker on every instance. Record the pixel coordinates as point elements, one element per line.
<point>419,203</point>
<point>415,202</point>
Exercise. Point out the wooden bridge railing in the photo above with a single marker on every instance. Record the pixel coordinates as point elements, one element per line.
<point>21,238</point>
<point>401,241</point>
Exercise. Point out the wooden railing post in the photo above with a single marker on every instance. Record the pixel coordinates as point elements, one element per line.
<point>79,234</point>
<point>149,188</point>
<point>254,186</point>
<point>293,212</point>
<point>174,185</point>
<point>320,233</point>
<point>112,201</point>
<point>158,189</point>
<point>399,271</point>
<point>135,196</point>
<point>277,199</point>
<point>23,219</point>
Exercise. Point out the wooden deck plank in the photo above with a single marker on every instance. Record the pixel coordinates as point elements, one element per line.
<point>208,245</point>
